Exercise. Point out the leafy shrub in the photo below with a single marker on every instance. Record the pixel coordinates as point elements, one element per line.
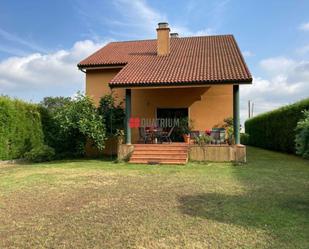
<point>302,136</point>
<point>64,124</point>
<point>229,127</point>
<point>203,139</point>
<point>39,154</point>
<point>184,127</point>
<point>120,136</point>
<point>275,130</point>
<point>113,114</point>
<point>20,128</point>
<point>69,123</point>
<point>63,143</point>
<point>80,121</point>
<point>244,138</point>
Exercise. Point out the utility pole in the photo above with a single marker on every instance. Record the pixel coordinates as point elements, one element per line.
<point>252,109</point>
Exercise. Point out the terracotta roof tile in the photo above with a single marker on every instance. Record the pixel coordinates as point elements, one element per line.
<point>192,60</point>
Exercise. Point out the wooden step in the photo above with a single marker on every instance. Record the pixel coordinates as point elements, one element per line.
<point>161,152</point>
<point>161,148</point>
<point>160,145</point>
<point>159,161</point>
<point>158,156</point>
<point>169,153</point>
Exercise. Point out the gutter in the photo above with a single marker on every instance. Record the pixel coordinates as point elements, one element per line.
<point>98,67</point>
<point>81,69</point>
<point>181,84</point>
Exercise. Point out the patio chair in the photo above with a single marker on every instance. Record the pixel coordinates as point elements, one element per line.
<point>144,136</point>
<point>218,136</point>
<point>222,136</point>
<point>158,134</point>
<point>167,136</point>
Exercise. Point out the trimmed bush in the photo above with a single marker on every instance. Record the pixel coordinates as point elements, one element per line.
<point>275,130</point>
<point>63,143</point>
<point>244,138</point>
<point>302,136</point>
<point>20,128</point>
<point>63,124</point>
<point>39,154</point>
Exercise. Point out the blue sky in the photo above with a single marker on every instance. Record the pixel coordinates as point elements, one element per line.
<point>42,41</point>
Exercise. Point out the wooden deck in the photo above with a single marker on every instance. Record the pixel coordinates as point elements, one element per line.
<point>169,153</point>
<point>180,153</point>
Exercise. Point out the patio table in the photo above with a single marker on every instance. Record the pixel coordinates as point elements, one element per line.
<point>156,134</point>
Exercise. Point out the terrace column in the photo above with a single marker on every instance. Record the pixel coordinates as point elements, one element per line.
<point>236,122</point>
<point>128,115</point>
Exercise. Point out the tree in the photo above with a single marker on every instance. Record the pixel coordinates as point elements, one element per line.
<point>69,123</point>
<point>81,119</point>
<point>53,104</point>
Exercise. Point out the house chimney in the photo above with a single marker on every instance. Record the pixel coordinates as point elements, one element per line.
<point>163,39</point>
<point>174,35</point>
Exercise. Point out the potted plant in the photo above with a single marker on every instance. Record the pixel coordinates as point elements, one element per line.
<point>185,129</point>
<point>120,136</point>
<point>228,126</point>
<point>203,139</point>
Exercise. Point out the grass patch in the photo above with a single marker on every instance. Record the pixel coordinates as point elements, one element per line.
<point>101,204</point>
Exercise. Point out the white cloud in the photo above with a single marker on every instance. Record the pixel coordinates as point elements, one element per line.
<point>277,65</point>
<point>144,19</point>
<point>16,40</point>
<point>247,53</point>
<point>12,50</point>
<point>303,50</point>
<point>207,31</point>
<point>184,31</point>
<point>139,15</point>
<point>286,82</point>
<point>304,26</point>
<point>37,75</point>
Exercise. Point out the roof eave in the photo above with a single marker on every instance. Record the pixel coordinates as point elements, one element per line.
<point>100,66</point>
<point>191,83</point>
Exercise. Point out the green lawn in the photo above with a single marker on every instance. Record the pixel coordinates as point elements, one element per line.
<point>100,204</point>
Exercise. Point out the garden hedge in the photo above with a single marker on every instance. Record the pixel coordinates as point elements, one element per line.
<point>275,130</point>
<point>20,128</point>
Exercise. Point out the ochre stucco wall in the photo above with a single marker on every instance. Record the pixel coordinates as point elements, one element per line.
<point>207,106</point>
<point>96,87</point>
<point>97,84</point>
